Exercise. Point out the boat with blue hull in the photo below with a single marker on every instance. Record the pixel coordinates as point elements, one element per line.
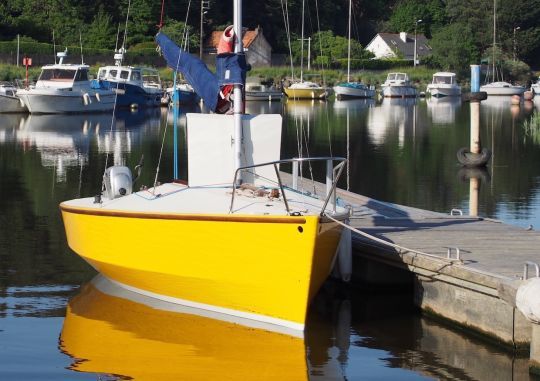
<point>134,86</point>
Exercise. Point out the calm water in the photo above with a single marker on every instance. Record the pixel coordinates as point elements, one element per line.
<point>399,151</point>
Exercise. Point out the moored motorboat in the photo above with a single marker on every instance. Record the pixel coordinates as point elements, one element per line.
<point>236,239</point>
<point>257,90</point>
<point>443,84</point>
<point>9,102</point>
<point>66,88</point>
<point>185,93</point>
<point>134,86</point>
<point>398,85</point>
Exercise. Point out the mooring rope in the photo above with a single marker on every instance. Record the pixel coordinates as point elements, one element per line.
<point>401,249</point>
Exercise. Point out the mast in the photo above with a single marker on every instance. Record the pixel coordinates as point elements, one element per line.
<point>349,47</point>
<point>302,45</point>
<point>238,100</point>
<point>494,35</point>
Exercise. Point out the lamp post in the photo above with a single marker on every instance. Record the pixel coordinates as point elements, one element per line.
<point>516,28</point>
<point>415,26</point>
<point>205,5</point>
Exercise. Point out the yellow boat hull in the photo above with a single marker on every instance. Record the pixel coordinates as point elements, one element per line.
<point>265,268</point>
<point>111,335</point>
<point>305,93</point>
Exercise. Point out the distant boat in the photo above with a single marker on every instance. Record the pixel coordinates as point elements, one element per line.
<point>9,102</point>
<point>305,90</point>
<point>502,88</point>
<point>135,86</point>
<point>496,87</point>
<point>398,85</point>
<point>186,93</point>
<point>443,85</point>
<point>66,88</point>
<point>352,89</point>
<point>257,90</point>
<point>535,87</point>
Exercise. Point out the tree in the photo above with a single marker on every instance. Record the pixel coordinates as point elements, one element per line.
<point>454,48</point>
<point>100,33</point>
<point>407,12</point>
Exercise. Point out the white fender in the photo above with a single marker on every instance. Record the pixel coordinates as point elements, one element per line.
<point>343,260</point>
<point>86,99</point>
<point>528,299</point>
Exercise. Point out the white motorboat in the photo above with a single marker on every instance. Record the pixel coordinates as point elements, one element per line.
<point>398,85</point>
<point>443,84</point>
<point>66,88</point>
<point>135,86</point>
<point>9,102</point>
<point>257,90</point>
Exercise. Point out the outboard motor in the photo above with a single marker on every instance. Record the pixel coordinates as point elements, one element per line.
<point>118,182</point>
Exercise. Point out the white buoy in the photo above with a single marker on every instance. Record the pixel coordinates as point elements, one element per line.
<point>528,299</point>
<point>86,99</point>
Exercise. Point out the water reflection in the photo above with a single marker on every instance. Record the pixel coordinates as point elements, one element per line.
<point>443,110</point>
<point>64,141</point>
<point>106,333</point>
<point>352,105</point>
<point>393,116</point>
<point>350,334</point>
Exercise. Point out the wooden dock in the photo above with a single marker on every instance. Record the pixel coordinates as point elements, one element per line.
<point>476,291</point>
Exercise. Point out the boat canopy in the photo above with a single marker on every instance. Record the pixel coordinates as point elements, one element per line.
<point>397,77</point>
<point>64,74</point>
<point>444,78</point>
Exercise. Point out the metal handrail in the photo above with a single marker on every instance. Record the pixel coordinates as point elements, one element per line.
<point>338,168</point>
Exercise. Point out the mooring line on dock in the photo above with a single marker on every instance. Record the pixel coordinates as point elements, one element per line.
<point>401,249</point>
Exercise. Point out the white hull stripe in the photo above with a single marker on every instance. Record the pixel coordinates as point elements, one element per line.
<point>220,313</point>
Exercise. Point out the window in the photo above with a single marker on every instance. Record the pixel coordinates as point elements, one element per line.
<point>82,75</point>
<point>124,74</point>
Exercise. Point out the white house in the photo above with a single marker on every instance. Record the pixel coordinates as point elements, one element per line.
<point>395,45</point>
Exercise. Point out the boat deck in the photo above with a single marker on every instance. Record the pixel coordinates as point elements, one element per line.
<point>174,198</point>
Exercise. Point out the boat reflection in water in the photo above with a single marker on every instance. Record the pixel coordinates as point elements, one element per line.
<point>110,330</point>
<point>343,107</point>
<point>394,115</point>
<point>443,110</point>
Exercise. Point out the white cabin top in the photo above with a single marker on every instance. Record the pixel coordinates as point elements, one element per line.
<point>394,78</point>
<point>63,76</point>
<point>444,78</point>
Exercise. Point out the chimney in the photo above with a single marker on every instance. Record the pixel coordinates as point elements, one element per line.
<point>403,36</point>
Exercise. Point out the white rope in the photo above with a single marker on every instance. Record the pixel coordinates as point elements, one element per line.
<point>401,249</point>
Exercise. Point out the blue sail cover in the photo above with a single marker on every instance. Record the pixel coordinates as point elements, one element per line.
<point>231,70</point>
<point>203,81</point>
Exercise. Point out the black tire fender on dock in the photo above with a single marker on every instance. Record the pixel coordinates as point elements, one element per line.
<point>469,159</point>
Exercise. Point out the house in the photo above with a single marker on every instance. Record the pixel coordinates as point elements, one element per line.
<point>258,50</point>
<point>399,45</point>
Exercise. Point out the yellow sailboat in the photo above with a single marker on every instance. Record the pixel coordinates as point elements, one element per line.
<point>108,330</point>
<point>305,89</point>
<point>235,240</point>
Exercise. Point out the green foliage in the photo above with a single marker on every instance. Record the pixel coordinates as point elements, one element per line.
<point>372,64</point>
<point>407,12</point>
<point>453,48</point>
<point>531,127</point>
<point>99,32</point>
<point>177,30</point>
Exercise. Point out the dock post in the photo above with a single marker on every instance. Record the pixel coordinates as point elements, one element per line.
<point>534,365</point>
<point>474,156</point>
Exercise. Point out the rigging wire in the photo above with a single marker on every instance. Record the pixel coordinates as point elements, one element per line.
<point>285,11</point>
<point>113,117</point>
<point>175,108</point>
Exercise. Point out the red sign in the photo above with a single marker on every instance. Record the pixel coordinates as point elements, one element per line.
<point>27,61</point>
